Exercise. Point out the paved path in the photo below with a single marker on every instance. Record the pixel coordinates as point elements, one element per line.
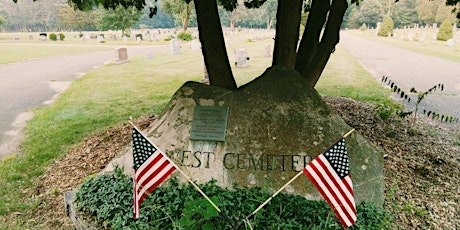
<point>28,84</point>
<point>409,69</point>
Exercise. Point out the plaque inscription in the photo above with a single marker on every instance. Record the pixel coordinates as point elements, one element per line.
<point>209,123</point>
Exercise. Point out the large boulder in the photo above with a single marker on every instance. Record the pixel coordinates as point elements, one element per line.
<point>276,125</point>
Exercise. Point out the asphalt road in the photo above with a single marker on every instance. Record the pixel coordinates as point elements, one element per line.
<point>28,84</point>
<point>410,69</point>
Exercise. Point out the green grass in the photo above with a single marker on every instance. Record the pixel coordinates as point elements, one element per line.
<point>11,52</point>
<point>428,46</point>
<point>113,93</point>
<point>344,76</point>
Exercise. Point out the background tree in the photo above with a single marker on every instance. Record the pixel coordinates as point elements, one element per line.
<point>180,10</point>
<point>2,20</point>
<point>426,11</point>
<point>76,19</point>
<point>444,12</point>
<point>269,12</point>
<point>370,12</point>
<point>161,19</point>
<point>405,13</point>
<point>236,15</point>
<point>28,15</point>
<point>120,18</point>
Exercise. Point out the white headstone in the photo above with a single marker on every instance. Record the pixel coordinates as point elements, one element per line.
<point>175,46</point>
<point>100,38</point>
<point>435,25</point>
<point>241,57</point>
<point>450,42</point>
<point>410,36</point>
<point>195,45</point>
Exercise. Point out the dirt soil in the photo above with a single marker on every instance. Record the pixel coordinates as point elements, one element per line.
<point>421,170</point>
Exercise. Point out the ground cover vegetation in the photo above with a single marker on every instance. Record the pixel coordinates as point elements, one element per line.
<point>107,198</point>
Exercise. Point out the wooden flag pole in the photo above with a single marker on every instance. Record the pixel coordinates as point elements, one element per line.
<point>183,174</point>
<point>284,186</point>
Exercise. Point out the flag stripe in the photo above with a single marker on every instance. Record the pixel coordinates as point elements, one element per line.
<point>151,168</point>
<point>326,193</point>
<point>339,186</point>
<point>330,174</point>
<point>341,203</point>
<point>155,180</point>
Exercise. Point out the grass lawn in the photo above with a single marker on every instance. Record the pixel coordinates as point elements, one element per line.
<point>113,93</point>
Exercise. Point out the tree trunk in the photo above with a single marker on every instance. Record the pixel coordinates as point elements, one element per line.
<point>311,35</point>
<point>213,45</point>
<point>287,32</point>
<point>329,40</point>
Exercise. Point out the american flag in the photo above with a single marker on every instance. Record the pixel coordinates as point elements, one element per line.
<point>151,167</point>
<point>330,173</point>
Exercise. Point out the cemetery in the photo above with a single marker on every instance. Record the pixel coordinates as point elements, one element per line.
<point>271,151</point>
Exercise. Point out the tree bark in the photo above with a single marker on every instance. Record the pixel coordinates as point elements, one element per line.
<point>311,35</point>
<point>328,42</point>
<point>287,32</point>
<point>213,45</point>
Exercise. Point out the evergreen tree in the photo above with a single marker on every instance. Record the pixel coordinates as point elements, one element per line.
<point>445,31</point>
<point>386,28</point>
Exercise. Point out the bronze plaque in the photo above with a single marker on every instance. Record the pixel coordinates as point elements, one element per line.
<point>209,123</point>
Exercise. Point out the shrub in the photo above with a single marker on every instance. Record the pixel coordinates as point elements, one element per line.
<point>445,31</point>
<point>386,28</point>
<point>53,37</point>
<point>108,198</point>
<point>185,36</point>
<point>363,27</point>
<point>61,36</point>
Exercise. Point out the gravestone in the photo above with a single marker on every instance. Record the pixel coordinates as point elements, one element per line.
<point>121,56</point>
<point>205,79</point>
<point>100,39</point>
<point>435,26</point>
<point>31,37</point>
<point>275,126</point>
<point>241,57</point>
<point>175,46</point>
<point>267,50</point>
<point>450,42</point>
<point>195,45</point>
<point>15,37</point>
<point>410,36</point>
<point>43,36</point>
